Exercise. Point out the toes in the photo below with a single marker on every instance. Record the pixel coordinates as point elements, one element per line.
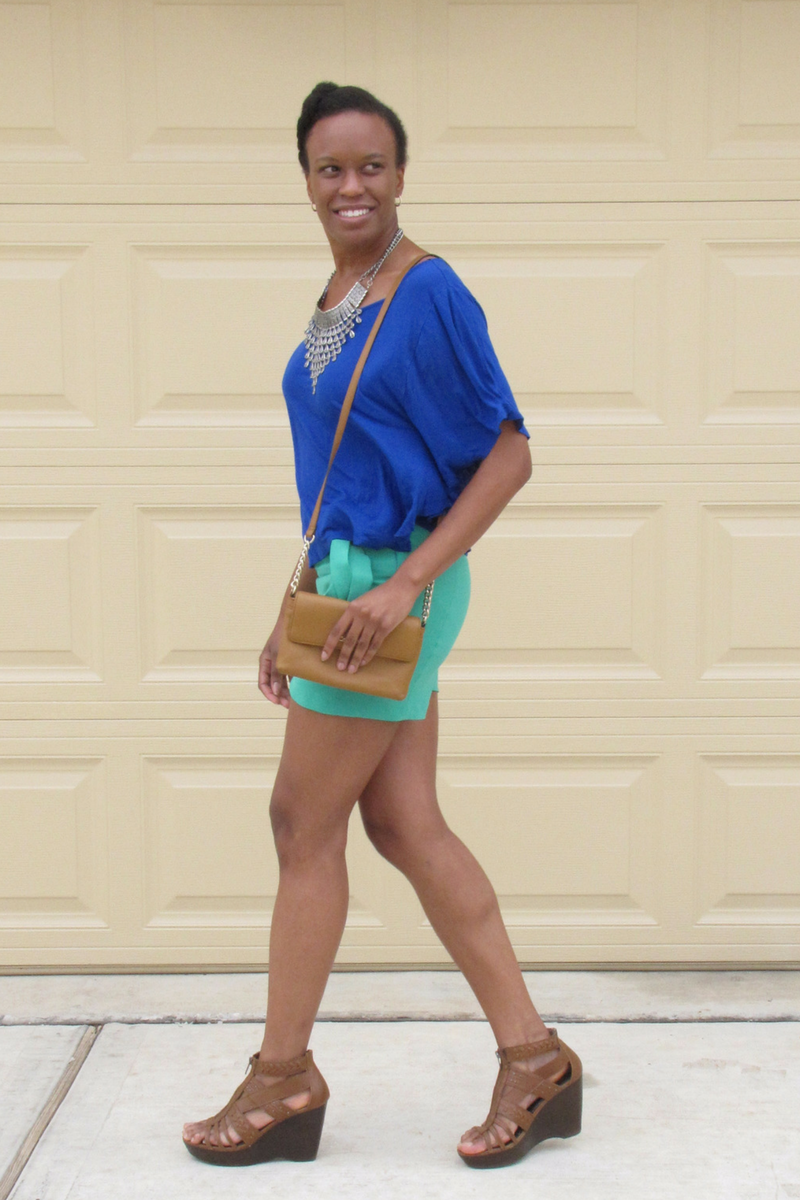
<point>473,1142</point>
<point>500,1134</point>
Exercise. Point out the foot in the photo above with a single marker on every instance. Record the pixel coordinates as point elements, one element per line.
<point>503,1129</point>
<point>216,1132</point>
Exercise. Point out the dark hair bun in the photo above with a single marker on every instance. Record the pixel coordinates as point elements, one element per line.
<point>328,99</point>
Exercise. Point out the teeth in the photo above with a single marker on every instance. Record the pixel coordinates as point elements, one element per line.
<point>353,212</point>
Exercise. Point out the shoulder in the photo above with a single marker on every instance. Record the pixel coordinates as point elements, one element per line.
<point>434,278</point>
<point>433,289</point>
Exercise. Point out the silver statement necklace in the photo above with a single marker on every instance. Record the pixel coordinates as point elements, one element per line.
<point>327,332</point>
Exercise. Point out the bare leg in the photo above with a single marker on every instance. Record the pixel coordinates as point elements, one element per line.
<point>325,765</point>
<point>312,800</point>
<point>402,818</point>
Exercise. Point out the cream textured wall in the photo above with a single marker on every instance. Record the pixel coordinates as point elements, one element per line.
<point>618,183</point>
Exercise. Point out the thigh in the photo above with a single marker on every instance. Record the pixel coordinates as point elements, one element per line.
<point>326,763</point>
<point>401,791</point>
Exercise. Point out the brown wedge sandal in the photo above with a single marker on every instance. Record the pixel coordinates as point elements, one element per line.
<point>555,1111</point>
<point>292,1133</point>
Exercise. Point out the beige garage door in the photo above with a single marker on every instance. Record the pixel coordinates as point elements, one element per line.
<point>618,183</point>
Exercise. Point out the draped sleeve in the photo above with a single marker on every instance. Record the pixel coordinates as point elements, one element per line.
<point>456,394</point>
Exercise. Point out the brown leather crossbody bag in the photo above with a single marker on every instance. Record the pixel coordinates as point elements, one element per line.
<point>309,618</point>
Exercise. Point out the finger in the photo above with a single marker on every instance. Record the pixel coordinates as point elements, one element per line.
<point>336,635</point>
<point>347,645</point>
<point>277,682</point>
<point>372,650</point>
<point>283,695</point>
<point>263,676</point>
<point>269,681</point>
<point>353,659</point>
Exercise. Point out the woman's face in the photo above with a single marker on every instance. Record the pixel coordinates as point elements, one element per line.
<point>353,178</point>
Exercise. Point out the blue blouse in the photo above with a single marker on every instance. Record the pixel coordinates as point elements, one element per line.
<point>426,413</point>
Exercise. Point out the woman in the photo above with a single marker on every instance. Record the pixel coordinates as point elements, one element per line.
<point>433,451</point>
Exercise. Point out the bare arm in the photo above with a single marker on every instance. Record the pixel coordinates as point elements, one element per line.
<point>371,617</point>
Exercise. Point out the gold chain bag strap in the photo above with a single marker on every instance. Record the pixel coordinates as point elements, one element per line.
<point>309,618</point>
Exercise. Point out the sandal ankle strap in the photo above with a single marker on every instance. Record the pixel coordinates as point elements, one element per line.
<point>281,1070</point>
<point>510,1054</point>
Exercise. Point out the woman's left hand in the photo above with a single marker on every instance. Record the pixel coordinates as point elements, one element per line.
<point>368,620</point>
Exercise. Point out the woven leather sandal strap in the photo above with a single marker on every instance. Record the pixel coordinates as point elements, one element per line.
<point>491,1139</point>
<point>512,1054</point>
<point>260,1096</point>
<point>516,1113</point>
<point>238,1122</point>
<point>292,1066</point>
<point>279,1111</point>
<point>541,1083</point>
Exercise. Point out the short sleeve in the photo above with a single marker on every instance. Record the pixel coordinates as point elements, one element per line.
<point>456,393</point>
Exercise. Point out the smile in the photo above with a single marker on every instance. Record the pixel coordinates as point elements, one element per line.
<point>353,212</point>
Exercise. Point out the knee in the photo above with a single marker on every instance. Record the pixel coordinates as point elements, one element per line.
<point>398,842</point>
<point>301,834</point>
<point>386,836</point>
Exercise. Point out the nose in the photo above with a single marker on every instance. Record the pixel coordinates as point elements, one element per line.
<point>350,183</point>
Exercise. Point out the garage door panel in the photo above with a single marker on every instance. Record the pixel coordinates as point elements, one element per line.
<point>591,352</point>
<point>212,327</point>
<point>607,813</point>
<point>222,82</point>
<point>754,84</point>
<point>47,369</point>
<point>207,852</point>
<point>747,819</point>
<point>584,601</point>
<point>754,310</point>
<point>751,580</point>
<point>501,81</point>
<point>50,595</point>
<point>211,585</point>
<point>54,868</point>
<point>41,90</point>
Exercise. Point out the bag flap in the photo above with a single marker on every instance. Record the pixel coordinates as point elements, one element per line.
<point>310,618</point>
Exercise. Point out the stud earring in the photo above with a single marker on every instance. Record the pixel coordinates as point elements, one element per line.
<point>397,201</point>
<point>313,205</point>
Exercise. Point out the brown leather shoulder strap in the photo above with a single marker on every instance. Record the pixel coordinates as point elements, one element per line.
<point>351,391</point>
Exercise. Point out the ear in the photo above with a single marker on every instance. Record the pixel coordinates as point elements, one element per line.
<point>401,173</point>
<point>308,188</point>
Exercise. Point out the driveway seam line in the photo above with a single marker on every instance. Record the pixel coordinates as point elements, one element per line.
<point>50,1107</point>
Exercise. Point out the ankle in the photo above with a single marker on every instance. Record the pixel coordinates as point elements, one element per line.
<point>527,1033</point>
<point>279,1050</point>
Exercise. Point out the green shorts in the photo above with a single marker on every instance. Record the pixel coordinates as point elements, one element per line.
<point>349,571</point>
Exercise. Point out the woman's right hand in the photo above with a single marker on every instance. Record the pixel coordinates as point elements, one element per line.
<point>271,683</point>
